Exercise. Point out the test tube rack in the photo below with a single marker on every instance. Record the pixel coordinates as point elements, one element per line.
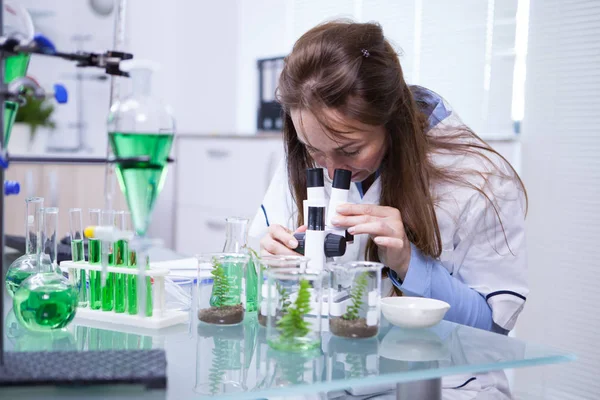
<point>161,316</point>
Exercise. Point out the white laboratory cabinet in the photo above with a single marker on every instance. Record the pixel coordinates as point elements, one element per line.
<point>217,177</point>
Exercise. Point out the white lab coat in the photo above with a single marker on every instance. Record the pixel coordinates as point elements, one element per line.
<point>474,249</point>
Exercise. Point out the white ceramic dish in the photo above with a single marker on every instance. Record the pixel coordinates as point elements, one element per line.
<point>413,312</point>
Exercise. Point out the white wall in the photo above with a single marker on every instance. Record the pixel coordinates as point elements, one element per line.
<point>55,20</point>
<point>463,50</point>
<point>561,144</point>
<point>196,43</point>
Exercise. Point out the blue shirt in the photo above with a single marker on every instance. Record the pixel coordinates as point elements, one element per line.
<point>428,278</point>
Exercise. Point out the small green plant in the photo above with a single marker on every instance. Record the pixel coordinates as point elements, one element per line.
<point>284,297</point>
<point>292,324</point>
<point>35,113</point>
<point>220,286</point>
<point>358,291</point>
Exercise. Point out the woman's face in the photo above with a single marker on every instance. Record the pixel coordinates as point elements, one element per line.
<point>359,149</point>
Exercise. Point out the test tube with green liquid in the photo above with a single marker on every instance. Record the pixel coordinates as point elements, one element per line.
<point>108,288</point>
<point>78,276</point>
<point>132,278</point>
<point>94,258</point>
<point>121,257</point>
<point>148,290</point>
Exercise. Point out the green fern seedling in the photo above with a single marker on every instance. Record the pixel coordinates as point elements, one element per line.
<point>292,324</point>
<point>358,291</point>
<point>220,286</point>
<point>284,297</point>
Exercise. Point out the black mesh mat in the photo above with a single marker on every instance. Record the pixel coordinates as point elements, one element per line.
<point>137,367</point>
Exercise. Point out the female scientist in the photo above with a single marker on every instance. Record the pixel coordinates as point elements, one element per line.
<point>430,199</point>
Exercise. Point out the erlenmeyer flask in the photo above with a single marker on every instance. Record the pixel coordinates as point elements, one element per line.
<point>16,23</point>
<point>235,242</point>
<point>141,130</point>
<point>26,265</point>
<point>46,300</point>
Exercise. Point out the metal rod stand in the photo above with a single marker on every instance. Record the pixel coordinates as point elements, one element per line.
<point>430,389</point>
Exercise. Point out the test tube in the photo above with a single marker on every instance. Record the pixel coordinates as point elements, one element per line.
<point>78,276</point>
<point>94,259</point>
<point>132,278</point>
<point>108,287</point>
<point>121,257</point>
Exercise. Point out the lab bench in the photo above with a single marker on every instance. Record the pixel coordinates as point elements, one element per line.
<point>236,362</point>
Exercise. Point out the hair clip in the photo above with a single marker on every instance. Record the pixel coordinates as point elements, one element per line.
<point>365,53</point>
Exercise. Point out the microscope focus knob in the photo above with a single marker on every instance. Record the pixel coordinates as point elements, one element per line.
<point>335,245</point>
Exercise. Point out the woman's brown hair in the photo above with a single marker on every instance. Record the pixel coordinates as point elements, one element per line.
<point>351,68</point>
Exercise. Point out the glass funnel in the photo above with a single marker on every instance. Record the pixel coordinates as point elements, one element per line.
<point>46,300</point>
<point>16,23</point>
<point>26,265</point>
<point>140,131</point>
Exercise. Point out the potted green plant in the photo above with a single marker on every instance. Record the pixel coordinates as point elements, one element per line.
<point>33,115</point>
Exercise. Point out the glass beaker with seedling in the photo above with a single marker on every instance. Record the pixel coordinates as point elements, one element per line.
<point>294,301</point>
<point>221,288</point>
<point>220,361</point>
<point>269,262</point>
<point>354,296</point>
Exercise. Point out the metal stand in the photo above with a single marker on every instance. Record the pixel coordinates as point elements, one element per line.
<point>2,156</point>
<point>55,368</point>
<point>430,389</point>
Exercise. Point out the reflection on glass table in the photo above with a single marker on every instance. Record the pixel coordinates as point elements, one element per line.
<point>73,338</point>
<point>236,361</point>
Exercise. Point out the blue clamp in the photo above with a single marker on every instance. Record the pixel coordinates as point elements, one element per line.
<point>44,43</point>
<point>3,162</point>
<point>11,188</point>
<point>60,93</point>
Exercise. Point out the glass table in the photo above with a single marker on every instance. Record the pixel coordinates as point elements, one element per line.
<point>236,362</point>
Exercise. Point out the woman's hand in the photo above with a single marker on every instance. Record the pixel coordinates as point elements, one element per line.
<point>384,225</point>
<point>279,241</point>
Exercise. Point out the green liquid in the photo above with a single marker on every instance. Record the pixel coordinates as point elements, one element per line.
<point>45,309</point>
<point>141,182</point>
<point>79,280</point>
<point>14,278</point>
<point>77,253</point>
<point>132,290</point>
<point>15,67</point>
<point>148,291</point>
<point>121,258</point>
<point>132,286</point>
<point>95,276</point>
<point>108,290</point>
<point>233,290</point>
<point>251,286</point>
